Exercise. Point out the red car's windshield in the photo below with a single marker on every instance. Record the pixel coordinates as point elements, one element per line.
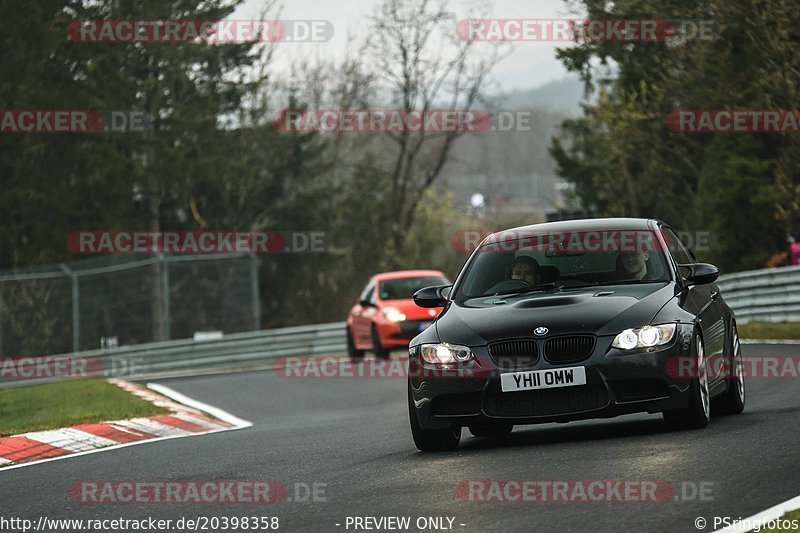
<point>404,288</point>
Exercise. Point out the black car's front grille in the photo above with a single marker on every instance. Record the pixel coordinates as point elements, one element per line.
<point>514,353</point>
<point>569,349</point>
<point>547,402</point>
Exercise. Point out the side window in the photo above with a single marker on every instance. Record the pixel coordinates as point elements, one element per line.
<point>368,293</point>
<point>676,247</point>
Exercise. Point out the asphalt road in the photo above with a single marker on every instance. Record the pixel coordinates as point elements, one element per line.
<point>352,435</point>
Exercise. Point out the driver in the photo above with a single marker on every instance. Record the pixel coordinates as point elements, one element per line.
<point>633,264</point>
<point>526,268</point>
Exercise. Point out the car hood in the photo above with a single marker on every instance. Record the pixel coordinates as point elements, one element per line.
<point>603,310</point>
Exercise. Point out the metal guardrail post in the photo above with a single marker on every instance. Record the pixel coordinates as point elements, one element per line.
<point>76,308</point>
<point>165,302</point>
<point>255,297</point>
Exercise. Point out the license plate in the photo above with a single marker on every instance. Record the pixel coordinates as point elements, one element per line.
<point>423,325</point>
<point>543,379</point>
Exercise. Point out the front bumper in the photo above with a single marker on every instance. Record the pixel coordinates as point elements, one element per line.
<point>399,334</point>
<point>616,383</point>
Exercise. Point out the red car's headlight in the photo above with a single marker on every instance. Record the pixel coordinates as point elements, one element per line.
<point>393,315</point>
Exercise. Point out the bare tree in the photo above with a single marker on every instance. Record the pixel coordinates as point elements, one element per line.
<point>424,66</point>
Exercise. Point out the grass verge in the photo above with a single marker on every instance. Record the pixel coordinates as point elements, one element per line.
<point>769,330</point>
<point>66,403</point>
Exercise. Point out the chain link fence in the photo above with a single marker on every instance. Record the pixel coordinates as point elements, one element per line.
<point>114,301</point>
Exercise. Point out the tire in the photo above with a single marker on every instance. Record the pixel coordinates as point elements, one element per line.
<point>732,402</point>
<point>351,346</point>
<point>697,414</point>
<point>431,440</point>
<point>379,350</point>
<point>497,430</point>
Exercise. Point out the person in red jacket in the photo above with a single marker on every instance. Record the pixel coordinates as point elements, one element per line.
<point>794,248</point>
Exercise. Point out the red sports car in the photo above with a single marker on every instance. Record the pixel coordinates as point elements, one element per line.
<point>385,317</point>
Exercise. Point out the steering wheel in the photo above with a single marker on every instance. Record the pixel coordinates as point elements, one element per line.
<point>508,285</point>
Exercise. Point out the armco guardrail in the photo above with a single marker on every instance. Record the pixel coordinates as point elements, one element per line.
<point>768,295</point>
<point>235,351</point>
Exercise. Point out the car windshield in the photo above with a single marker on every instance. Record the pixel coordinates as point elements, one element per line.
<point>531,263</point>
<point>404,288</point>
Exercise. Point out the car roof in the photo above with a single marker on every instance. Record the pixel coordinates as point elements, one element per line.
<point>583,224</point>
<point>398,274</point>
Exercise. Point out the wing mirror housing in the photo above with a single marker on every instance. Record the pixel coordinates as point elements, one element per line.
<point>435,296</point>
<point>701,273</point>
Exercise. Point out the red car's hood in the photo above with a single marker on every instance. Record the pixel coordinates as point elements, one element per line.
<point>411,310</point>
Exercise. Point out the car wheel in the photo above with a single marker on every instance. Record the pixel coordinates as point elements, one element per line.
<point>732,402</point>
<point>495,430</point>
<point>697,414</point>
<point>351,346</point>
<point>431,440</point>
<point>379,350</point>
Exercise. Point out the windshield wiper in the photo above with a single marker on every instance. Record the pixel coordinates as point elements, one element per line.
<point>629,281</point>
<point>533,288</point>
<point>611,282</point>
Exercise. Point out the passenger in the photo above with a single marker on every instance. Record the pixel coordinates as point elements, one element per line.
<point>526,269</point>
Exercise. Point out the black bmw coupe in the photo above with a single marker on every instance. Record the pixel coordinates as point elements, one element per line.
<point>574,320</point>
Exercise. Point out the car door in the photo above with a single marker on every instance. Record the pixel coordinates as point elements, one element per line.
<point>702,301</point>
<point>363,315</point>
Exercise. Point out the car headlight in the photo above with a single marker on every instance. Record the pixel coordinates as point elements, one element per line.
<point>393,315</point>
<point>645,337</point>
<point>446,353</point>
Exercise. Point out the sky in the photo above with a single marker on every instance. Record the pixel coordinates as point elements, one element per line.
<point>529,65</point>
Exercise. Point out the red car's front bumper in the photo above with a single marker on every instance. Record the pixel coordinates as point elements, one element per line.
<point>398,334</point>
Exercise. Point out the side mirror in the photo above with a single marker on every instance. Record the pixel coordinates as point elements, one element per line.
<point>701,273</point>
<point>365,303</point>
<point>432,296</point>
